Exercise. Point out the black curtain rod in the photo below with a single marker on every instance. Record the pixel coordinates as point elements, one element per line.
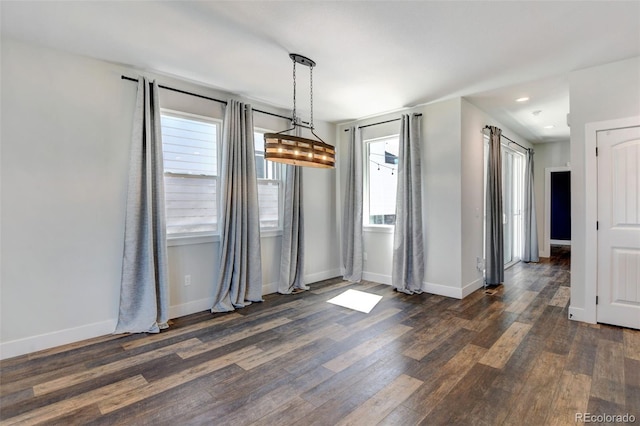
<point>383,122</point>
<point>124,77</point>
<point>509,139</point>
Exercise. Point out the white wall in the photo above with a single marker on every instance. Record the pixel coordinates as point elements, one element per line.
<point>473,121</point>
<point>441,197</point>
<point>606,92</point>
<point>556,154</point>
<point>65,137</point>
<point>452,167</point>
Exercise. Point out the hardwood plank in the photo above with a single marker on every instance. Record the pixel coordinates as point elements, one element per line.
<point>232,338</point>
<point>572,396</point>
<point>632,386</point>
<point>383,402</point>
<point>172,333</point>
<point>498,355</point>
<point>599,406</point>
<point>561,298</point>
<point>263,405</point>
<point>333,287</point>
<point>582,354</point>
<point>368,321</point>
<point>28,380</point>
<point>71,346</point>
<point>127,398</point>
<point>262,357</point>
<point>560,338</point>
<point>338,384</point>
<point>348,358</point>
<point>401,415</point>
<point>520,304</point>
<point>468,391</point>
<point>631,339</point>
<point>434,390</point>
<point>534,400</point>
<point>291,413</point>
<point>359,389</point>
<point>58,409</point>
<point>437,336</point>
<point>93,373</point>
<point>608,372</point>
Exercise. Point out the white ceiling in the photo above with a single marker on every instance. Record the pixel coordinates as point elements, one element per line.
<point>372,56</point>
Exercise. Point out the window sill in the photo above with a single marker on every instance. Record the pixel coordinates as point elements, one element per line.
<point>270,233</point>
<point>379,229</point>
<point>187,240</point>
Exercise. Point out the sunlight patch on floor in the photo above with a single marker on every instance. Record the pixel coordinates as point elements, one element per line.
<point>356,300</point>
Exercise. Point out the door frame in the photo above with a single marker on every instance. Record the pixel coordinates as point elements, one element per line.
<point>591,213</point>
<point>546,247</point>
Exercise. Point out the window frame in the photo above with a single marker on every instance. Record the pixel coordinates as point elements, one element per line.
<point>281,172</point>
<point>367,226</point>
<point>197,237</point>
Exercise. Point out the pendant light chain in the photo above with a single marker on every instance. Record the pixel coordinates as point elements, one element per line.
<point>311,86</point>
<point>295,118</point>
<point>288,146</point>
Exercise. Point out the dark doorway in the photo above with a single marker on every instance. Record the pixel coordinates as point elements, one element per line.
<point>560,228</point>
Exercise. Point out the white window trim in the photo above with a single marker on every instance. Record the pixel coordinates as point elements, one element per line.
<point>192,238</point>
<point>366,226</point>
<point>275,232</point>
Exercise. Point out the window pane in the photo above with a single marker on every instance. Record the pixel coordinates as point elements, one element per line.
<point>269,202</point>
<point>190,165</point>
<point>189,146</point>
<point>382,181</point>
<point>190,203</point>
<point>269,186</point>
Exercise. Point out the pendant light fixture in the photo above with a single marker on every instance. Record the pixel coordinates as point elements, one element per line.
<point>289,149</point>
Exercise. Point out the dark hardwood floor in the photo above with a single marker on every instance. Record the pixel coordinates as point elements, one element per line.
<point>511,357</point>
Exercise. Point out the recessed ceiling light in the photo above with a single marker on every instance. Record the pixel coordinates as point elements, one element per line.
<point>551,126</point>
<point>523,99</point>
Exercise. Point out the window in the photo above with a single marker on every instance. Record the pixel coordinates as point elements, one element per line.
<point>269,176</point>
<point>190,149</point>
<point>381,171</point>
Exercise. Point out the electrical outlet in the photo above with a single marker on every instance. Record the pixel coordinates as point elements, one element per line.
<point>187,280</point>
<point>364,256</point>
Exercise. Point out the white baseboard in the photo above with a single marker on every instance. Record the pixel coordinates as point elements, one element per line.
<point>439,289</point>
<point>57,338</point>
<point>577,314</point>
<point>177,311</point>
<point>471,287</point>
<point>442,290</point>
<point>269,288</point>
<point>560,242</point>
<point>376,278</point>
<point>321,276</point>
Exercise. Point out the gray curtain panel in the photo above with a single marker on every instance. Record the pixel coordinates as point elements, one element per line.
<point>352,250</point>
<point>408,248</point>
<point>292,254</point>
<point>494,243</point>
<point>240,274</point>
<point>530,224</point>
<point>144,300</point>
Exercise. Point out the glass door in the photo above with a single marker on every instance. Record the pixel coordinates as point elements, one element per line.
<point>512,204</point>
<point>512,201</point>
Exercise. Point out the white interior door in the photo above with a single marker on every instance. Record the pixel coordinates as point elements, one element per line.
<point>619,227</point>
